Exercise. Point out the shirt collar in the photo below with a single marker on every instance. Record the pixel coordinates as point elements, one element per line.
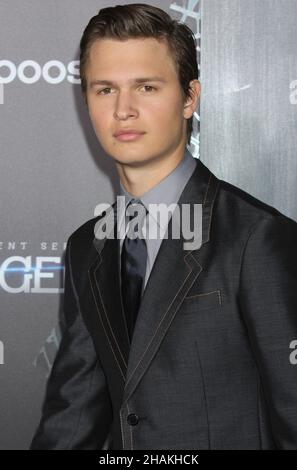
<point>167,191</point>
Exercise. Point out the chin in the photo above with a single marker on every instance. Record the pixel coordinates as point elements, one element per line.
<point>130,161</point>
<point>127,157</point>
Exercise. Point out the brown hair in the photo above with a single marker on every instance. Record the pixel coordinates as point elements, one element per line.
<point>139,20</point>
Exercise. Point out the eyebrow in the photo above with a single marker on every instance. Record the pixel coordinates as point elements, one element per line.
<point>136,80</point>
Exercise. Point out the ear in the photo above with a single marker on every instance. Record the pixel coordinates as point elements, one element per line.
<point>192,101</point>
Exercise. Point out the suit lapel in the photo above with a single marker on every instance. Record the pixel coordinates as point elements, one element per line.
<point>105,284</point>
<point>172,275</point>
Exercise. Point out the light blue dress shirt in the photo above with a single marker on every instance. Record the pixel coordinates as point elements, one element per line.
<point>168,192</point>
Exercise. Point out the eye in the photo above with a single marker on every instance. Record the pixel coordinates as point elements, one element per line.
<point>148,86</point>
<point>99,92</point>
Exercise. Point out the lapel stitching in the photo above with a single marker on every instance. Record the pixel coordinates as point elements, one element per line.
<point>106,316</point>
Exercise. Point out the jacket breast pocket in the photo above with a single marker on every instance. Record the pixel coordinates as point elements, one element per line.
<point>203,300</point>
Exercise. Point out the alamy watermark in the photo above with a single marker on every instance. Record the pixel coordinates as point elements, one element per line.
<point>186,222</point>
<point>293,355</point>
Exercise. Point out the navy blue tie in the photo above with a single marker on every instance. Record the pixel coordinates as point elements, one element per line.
<point>133,267</point>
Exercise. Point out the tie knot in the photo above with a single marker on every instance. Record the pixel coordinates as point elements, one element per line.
<point>135,213</point>
<point>135,206</point>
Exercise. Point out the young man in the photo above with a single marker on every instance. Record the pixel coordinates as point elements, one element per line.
<point>168,348</point>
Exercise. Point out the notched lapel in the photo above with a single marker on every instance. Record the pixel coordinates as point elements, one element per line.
<point>105,283</point>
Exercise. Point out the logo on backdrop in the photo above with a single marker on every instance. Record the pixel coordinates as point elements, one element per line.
<point>45,357</point>
<point>293,94</point>
<point>38,273</point>
<point>30,72</point>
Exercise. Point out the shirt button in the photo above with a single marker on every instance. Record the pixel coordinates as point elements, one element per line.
<point>132,419</point>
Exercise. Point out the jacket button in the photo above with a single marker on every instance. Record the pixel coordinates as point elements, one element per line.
<point>132,419</point>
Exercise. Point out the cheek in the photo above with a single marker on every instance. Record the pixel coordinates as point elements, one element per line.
<point>167,117</point>
<point>170,105</point>
<point>99,118</point>
<point>169,109</point>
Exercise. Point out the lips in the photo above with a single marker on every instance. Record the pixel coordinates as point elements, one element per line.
<point>129,137</point>
<point>128,131</point>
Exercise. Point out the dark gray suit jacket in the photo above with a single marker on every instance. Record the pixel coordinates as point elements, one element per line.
<point>209,365</point>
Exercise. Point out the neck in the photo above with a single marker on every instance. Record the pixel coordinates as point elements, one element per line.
<point>139,179</point>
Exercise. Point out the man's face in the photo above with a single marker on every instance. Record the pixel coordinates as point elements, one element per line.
<point>154,107</point>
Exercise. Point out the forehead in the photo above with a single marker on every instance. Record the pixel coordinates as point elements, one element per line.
<point>137,54</point>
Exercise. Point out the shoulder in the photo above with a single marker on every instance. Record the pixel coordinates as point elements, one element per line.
<point>243,209</point>
<point>85,230</point>
<point>85,233</point>
<point>233,195</point>
<point>260,228</point>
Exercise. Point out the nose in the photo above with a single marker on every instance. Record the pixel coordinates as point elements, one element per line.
<point>124,107</point>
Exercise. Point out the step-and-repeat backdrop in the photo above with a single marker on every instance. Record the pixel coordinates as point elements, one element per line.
<point>53,172</point>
